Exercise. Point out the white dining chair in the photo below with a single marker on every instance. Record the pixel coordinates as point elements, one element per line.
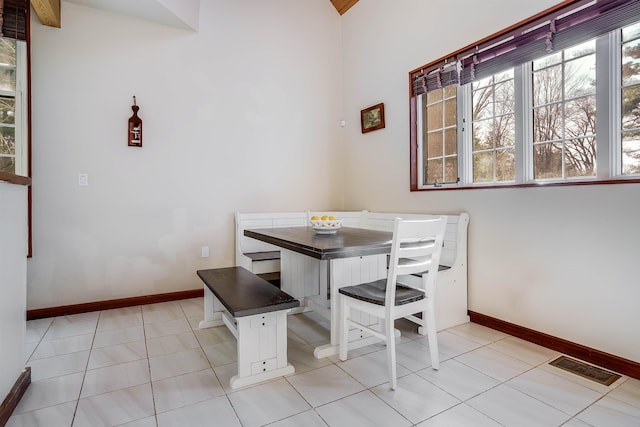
<point>415,251</point>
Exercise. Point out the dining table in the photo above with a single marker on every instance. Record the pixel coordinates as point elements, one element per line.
<point>315,266</point>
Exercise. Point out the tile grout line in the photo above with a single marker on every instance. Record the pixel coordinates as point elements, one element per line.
<point>40,341</point>
<point>84,374</point>
<point>461,402</point>
<point>146,349</point>
<point>602,396</point>
<point>500,382</point>
<point>226,394</point>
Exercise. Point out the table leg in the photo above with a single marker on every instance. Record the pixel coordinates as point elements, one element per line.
<point>310,280</point>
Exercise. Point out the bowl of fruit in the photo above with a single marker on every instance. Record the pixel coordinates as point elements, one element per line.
<point>325,224</point>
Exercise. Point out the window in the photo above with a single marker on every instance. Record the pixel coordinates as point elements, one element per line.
<point>13,140</point>
<point>564,114</point>
<point>493,129</point>
<point>525,115</point>
<point>440,159</point>
<point>630,100</point>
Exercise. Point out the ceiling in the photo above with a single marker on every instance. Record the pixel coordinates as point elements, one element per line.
<point>176,13</point>
<point>179,13</point>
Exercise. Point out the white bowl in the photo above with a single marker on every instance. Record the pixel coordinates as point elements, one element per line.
<point>327,226</point>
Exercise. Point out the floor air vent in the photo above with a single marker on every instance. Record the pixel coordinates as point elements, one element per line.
<point>585,370</point>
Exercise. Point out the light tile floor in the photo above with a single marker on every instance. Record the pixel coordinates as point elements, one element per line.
<point>151,366</point>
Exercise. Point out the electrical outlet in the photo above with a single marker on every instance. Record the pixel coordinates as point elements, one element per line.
<point>205,251</point>
<point>83,179</point>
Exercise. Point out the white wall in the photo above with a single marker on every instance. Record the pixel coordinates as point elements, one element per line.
<point>241,115</point>
<point>563,261</point>
<point>13,282</point>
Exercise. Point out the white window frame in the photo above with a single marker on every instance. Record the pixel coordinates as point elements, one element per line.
<point>421,140</point>
<point>616,129</point>
<point>608,126</point>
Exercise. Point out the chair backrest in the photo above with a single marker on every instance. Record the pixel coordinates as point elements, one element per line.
<point>454,250</point>
<point>416,248</point>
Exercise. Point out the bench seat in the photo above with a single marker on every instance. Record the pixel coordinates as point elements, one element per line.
<point>263,256</point>
<point>266,259</point>
<point>255,311</point>
<point>259,257</point>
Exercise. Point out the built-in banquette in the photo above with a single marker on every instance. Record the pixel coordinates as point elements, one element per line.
<point>451,306</point>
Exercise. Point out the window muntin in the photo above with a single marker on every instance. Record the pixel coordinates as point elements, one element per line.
<point>564,114</point>
<point>630,100</point>
<point>440,152</point>
<point>493,128</point>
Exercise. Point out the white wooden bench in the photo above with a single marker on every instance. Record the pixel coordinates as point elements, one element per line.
<point>255,312</point>
<point>451,308</point>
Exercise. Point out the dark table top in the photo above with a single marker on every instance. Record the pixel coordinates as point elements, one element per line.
<point>345,243</point>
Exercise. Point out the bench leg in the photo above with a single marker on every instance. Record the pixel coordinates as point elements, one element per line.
<point>212,310</point>
<point>262,348</point>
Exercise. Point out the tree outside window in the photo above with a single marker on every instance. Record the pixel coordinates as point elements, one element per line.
<point>493,124</point>
<point>564,114</point>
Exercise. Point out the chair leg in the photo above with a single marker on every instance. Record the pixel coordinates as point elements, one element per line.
<point>424,321</point>
<point>343,328</point>
<point>391,352</point>
<point>433,338</point>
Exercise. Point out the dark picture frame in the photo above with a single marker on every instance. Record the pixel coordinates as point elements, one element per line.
<point>372,118</point>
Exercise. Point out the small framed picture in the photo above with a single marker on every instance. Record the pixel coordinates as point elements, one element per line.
<point>372,118</point>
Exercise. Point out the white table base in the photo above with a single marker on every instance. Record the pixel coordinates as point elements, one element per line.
<point>310,279</point>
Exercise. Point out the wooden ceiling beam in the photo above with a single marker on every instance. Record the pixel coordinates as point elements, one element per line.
<point>48,12</point>
<point>343,5</point>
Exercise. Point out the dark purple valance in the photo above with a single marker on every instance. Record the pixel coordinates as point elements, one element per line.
<point>14,17</point>
<point>436,79</point>
<point>561,28</point>
<point>559,33</point>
